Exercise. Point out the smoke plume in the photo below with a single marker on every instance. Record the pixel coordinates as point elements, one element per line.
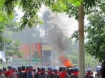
<point>56,36</point>
<point>58,40</point>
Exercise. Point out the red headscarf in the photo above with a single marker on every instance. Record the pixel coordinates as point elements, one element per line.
<point>1,72</point>
<point>50,73</point>
<point>63,74</point>
<point>76,73</point>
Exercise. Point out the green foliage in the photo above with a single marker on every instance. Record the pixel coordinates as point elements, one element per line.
<point>89,7</point>
<point>75,35</point>
<point>12,48</point>
<point>30,16</point>
<point>96,34</point>
<point>3,22</point>
<point>9,6</point>
<point>73,57</point>
<point>69,7</point>
<point>31,7</point>
<point>90,61</point>
<point>90,3</point>
<point>1,3</point>
<point>2,16</point>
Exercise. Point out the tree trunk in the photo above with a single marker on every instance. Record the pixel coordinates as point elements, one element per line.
<point>81,41</point>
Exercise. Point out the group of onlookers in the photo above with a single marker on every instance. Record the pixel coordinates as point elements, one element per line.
<point>42,72</point>
<point>96,74</point>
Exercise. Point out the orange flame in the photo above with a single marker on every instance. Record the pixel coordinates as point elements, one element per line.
<point>66,61</point>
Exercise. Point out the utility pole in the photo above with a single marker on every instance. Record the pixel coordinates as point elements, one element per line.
<point>30,57</point>
<point>81,41</point>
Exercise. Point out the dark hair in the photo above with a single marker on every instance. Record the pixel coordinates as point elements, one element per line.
<point>34,70</point>
<point>23,67</point>
<point>60,68</point>
<point>19,69</point>
<point>38,68</point>
<point>9,67</point>
<point>4,68</point>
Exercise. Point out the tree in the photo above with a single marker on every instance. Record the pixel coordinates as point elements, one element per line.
<point>12,48</point>
<point>46,18</point>
<point>94,30</point>
<point>95,35</point>
<point>3,22</point>
<point>88,3</point>
<point>90,61</point>
<point>30,14</point>
<point>72,54</point>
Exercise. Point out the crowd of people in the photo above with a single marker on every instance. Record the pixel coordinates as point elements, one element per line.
<point>30,72</point>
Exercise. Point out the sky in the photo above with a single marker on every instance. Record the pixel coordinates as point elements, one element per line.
<point>71,24</point>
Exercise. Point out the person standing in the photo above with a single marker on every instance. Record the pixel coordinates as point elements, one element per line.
<point>1,74</point>
<point>13,73</point>
<point>98,70</point>
<point>42,74</point>
<point>56,73</point>
<point>8,72</point>
<point>89,74</point>
<point>38,72</point>
<point>30,73</point>
<point>75,73</point>
<point>50,73</point>
<point>63,73</point>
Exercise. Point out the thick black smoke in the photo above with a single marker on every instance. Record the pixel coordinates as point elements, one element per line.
<point>55,36</point>
<point>58,40</point>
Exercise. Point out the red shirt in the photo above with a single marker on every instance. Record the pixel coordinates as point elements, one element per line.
<point>62,74</point>
<point>8,73</point>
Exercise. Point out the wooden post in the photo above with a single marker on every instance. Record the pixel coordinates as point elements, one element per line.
<point>81,42</point>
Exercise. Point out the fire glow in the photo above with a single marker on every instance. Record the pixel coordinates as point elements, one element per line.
<point>66,61</point>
